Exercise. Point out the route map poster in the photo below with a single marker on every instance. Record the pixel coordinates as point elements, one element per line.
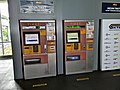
<point>37,6</point>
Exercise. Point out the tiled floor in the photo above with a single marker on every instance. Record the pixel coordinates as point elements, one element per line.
<point>7,81</point>
<point>108,80</point>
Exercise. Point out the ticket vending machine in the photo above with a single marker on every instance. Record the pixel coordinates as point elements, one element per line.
<point>38,40</point>
<point>78,46</point>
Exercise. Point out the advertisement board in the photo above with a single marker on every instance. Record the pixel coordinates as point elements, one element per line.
<point>110,44</point>
<point>37,6</point>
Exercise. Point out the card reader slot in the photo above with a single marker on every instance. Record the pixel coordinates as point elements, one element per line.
<point>32,61</point>
<point>69,45</point>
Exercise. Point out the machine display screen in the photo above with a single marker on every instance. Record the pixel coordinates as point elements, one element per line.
<point>32,38</point>
<point>73,37</point>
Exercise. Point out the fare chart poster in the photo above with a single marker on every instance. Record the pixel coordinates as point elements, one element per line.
<point>37,6</point>
<point>110,44</point>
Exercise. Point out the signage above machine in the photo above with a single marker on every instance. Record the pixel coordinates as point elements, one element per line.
<point>109,7</point>
<point>37,6</point>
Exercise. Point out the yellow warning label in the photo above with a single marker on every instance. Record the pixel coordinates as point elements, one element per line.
<point>81,79</point>
<point>40,85</point>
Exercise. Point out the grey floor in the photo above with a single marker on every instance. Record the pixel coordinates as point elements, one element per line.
<point>7,81</point>
<point>97,80</point>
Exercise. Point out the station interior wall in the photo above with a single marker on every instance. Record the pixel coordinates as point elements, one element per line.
<point>64,9</point>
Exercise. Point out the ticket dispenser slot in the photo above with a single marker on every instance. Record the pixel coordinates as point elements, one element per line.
<point>73,58</point>
<point>32,61</point>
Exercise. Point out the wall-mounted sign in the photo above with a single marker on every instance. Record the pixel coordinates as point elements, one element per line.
<point>108,7</point>
<point>37,6</point>
<point>110,44</point>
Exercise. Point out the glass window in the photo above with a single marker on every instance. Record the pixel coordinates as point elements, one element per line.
<point>7,49</point>
<point>1,49</point>
<point>5,33</point>
<point>5,40</point>
<point>0,36</point>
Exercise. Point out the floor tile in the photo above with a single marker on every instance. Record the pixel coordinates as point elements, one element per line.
<point>97,81</point>
<point>8,85</point>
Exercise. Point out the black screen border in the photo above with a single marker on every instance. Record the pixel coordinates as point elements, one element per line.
<point>76,31</point>
<point>24,33</point>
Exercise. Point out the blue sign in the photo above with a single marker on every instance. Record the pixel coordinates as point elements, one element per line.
<point>110,7</point>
